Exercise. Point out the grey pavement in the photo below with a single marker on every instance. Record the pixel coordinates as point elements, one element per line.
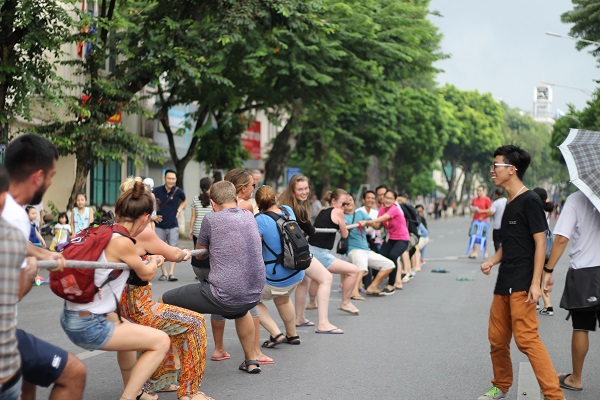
<point>428,341</point>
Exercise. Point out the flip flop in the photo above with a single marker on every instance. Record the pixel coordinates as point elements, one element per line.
<point>358,298</point>
<point>564,385</point>
<point>353,312</point>
<point>224,356</point>
<point>376,294</point>
<point>307,323</point>
<point>311,308</point>
<point>334,331</point>
<point>267,360</point>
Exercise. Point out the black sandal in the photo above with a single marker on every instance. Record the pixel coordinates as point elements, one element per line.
<point>244,366</point>
<point>273,341</point>
<point>293,339</point>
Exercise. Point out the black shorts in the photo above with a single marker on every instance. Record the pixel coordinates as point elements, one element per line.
<point>585,319</point>
<point>198,297</point>
<point>41,362</point>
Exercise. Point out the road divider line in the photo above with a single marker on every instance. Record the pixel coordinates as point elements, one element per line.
<point>528,388</point>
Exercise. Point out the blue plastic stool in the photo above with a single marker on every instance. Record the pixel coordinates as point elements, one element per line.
<point>479,230</point>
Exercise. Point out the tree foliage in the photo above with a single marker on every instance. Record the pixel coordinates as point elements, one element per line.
<point>585,17</point>
<point>31,35</point>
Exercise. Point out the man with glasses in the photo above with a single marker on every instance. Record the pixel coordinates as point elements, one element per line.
<point>479,205</point>
<point>517,290</point>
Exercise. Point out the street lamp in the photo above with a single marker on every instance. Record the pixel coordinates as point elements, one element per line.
<point>572,38</point>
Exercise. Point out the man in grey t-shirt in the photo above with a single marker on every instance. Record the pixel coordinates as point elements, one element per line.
<point>237,271</point>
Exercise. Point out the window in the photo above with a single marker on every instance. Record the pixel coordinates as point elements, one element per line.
<point>130,167</point>
<point>106,179</point>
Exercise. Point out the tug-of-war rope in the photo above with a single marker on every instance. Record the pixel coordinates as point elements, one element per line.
<point>49,264</point>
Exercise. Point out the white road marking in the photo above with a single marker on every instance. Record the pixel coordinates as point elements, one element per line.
<point>88,354</point>
<point>528,388</point>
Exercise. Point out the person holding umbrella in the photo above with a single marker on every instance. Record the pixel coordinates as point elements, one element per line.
<point>580,221</point>
<point>517,290</point>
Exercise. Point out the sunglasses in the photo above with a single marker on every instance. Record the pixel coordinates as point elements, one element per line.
<point>346,203</point>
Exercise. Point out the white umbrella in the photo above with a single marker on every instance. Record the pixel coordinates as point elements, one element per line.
<point>581,151</point>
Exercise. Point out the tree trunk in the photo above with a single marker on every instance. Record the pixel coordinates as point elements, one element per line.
<point>84,166</point>
<point>450,179</point>
<point>373,177</point>
<point>283,146</point>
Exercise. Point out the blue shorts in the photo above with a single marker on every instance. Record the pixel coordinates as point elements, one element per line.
<point>87,330</point>
<point>41,362</point>
<point>169,236</point>
<point>323,255</point>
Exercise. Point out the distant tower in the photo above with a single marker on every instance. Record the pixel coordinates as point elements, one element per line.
<point>542,104</point>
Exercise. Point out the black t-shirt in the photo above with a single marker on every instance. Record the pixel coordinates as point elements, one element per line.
<point>522,217</point>
<point>324,240</point>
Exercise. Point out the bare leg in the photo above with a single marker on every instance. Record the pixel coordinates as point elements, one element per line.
<point>154,343</point>
<point>545,295</point>
<point>579,348</point>
<point>245,331</point>
<point>126,360</point>
<point>218,329</point>
<point>406,266</point>
<point>172,268</point>
<point>319,273</point>
<point>300,297</point>
<point>381,275</point>
<point>71,383</point>
<point>312,294</point>
<point>257,351</point>
<point>355,291</point>
<point>28,391</point>
<point>416,260</point>
<point>267,321</point>
<point>345,268</point>
<point>287,314</point>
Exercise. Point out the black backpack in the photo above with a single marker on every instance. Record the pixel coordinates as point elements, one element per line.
<point>413,219</point>
<point>295,253</point>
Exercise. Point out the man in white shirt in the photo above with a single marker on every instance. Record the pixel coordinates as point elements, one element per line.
<point>31,163</point>
<point>579,220</point>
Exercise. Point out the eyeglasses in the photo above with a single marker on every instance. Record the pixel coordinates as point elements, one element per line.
<point>496,165</point>
<point>346,203</point>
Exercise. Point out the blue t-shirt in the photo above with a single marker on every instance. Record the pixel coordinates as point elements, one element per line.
<point>267,227</point>
<point>169,209</point>
<point>357,238</point>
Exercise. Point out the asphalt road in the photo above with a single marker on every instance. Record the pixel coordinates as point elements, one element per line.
<point>428,341</point>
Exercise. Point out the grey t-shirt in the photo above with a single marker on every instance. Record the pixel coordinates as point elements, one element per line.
<point>237,270</point>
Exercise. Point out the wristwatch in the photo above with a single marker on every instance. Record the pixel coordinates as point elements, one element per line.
<point>548,270</point>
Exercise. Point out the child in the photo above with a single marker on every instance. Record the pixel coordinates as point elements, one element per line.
<point>62,231</point>
<point>35,236</point>
<point>82,215</point>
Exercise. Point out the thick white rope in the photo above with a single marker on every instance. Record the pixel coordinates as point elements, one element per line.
<point>333,230</point>
<point>49,264</point>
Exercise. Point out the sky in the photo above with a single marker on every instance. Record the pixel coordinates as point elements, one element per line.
<point>501,47</point>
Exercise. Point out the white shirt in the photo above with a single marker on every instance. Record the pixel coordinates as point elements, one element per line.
<point>16,215</point>
<point>580,221</point>
<point>497,208</point>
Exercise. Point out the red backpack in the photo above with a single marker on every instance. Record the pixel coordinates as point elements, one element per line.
<point>77,284</point>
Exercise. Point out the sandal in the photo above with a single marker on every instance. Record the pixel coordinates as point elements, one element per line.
<point>162,278</point>
<point>170,388</point>
<point>293,339</point>
<point>172,278</point>
<point>244,366</point>
<point>273,341</point>
<point>142,393</point>
<point>357,297</point>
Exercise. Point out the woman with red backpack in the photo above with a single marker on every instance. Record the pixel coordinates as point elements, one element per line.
<point>95,325</point>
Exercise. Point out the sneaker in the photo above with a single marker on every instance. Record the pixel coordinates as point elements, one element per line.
<point>547,311</point>
<point>537,306</point>
<point>492,394</point>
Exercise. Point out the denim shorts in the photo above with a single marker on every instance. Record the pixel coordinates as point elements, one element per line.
<point>323,255</point>
<point>87,330</point>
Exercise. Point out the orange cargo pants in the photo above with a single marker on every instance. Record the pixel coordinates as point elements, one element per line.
<point>510,315</point>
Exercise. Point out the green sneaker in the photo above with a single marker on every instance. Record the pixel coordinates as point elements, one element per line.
<point>493,394</point>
